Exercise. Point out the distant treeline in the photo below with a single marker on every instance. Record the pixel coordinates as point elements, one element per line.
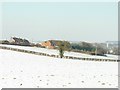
<point>82,47</point>
<point>88,48</point>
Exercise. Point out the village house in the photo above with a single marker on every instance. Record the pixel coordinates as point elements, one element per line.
<point>49,44</point>
<point>19,41</point>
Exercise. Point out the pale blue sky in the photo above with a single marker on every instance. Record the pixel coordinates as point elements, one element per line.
<point>88,21</point>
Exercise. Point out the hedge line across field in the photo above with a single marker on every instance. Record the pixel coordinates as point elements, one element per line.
<point>57,56</point>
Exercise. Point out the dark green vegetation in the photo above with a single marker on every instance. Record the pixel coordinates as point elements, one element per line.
<point>89,48</point>
<point>63,46</point>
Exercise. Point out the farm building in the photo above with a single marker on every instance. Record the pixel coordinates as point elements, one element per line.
<point>19,41</point>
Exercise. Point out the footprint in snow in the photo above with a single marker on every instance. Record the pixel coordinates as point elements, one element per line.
<point>69,83</point>
<point>21,84</point>
<point>14,78</point>
<point>37,86</point>
<point>52,75</point>
<point>38,76</point>
<point>109,84</point>
<point>64,85</point>
<point>99,81</point>
<point>82,81</point>
<point>103,83</point>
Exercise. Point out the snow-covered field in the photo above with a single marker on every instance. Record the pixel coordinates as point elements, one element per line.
<point>56,52</point>
<point>22,70</point>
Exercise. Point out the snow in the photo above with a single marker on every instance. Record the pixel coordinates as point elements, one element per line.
<point>56,52</point>
<point>112,56</point>
<point>22,70</point>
